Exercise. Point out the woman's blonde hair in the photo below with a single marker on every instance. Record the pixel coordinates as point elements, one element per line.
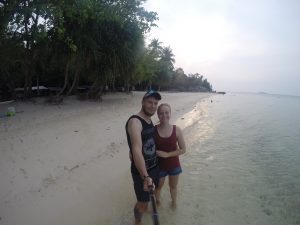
<point>163,104</point>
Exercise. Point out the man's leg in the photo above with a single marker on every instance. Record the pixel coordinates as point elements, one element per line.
<point>139,209</point>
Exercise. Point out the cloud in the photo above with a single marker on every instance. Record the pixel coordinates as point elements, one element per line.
<point>236,44</point>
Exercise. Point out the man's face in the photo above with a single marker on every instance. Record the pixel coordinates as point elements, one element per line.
<point>149,106</point>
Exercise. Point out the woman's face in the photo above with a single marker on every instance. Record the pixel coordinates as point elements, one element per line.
<point>164,114</point>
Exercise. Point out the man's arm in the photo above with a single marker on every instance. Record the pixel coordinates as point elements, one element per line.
<point>134,130</point>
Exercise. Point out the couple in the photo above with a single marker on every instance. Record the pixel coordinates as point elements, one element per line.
<point>154,152</point>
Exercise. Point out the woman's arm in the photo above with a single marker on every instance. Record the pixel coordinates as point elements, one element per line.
<point>181,146</point>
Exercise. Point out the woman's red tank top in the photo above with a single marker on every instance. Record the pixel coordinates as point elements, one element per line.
<point>167,144</point>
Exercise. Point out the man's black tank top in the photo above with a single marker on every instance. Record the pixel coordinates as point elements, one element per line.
<point>148,143</point>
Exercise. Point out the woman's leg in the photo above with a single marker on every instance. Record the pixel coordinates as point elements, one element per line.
<point>158,189</point>
<point>173,181</point>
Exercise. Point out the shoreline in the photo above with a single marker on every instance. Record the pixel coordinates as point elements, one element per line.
<point>68,164</point>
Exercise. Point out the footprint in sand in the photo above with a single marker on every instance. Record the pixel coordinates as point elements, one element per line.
<point>267,212</point>
<point>12,179</point>
<point>111,150</point>
<point>49,181</point>
<point>11,146</point>
<point>73,168</point>
<point>112,147</point>
<point>24,172</point>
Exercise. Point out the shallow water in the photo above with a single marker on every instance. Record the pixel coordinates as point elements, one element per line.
<point>242,164</point>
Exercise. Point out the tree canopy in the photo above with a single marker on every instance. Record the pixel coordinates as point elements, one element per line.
<point>96,43</point>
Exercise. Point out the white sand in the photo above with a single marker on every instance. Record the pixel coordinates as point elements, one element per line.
<point>68,164</point>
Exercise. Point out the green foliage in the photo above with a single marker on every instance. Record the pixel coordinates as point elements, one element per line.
<point>65,43</point>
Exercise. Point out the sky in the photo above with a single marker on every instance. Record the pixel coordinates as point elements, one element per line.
<point>238,45</point>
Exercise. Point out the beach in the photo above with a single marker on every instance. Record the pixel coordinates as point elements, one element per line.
<point>68,164</point>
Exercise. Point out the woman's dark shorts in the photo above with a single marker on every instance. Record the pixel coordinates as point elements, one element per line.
<point>141,195</point>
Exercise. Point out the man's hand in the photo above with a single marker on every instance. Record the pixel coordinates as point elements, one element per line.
<point>162,154</point>
<point>148,182</point>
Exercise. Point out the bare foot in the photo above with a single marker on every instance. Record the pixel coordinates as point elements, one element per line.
<point>173,205</point>
<point>158,203</point>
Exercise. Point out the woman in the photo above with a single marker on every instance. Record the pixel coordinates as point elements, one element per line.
<point>170,144</point>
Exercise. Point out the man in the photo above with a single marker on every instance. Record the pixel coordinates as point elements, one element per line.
<point>140,138</point>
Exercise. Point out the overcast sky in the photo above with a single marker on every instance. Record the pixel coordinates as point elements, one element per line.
<point>238,45</point>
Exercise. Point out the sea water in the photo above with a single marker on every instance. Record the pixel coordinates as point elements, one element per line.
<point>242,164</point>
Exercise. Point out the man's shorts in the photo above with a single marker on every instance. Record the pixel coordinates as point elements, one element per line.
<point>141,195</point>
<point>171,172</point>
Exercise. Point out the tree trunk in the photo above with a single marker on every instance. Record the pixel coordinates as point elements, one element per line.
<point>11,87</point>
<point>149,85</point>
<point>74,84</point>
<point>38,84</point>
<point>96,91</point>
<point>66,78</point>
<point>27,85</point>
<point>127,86</point>
<point>113,84</point>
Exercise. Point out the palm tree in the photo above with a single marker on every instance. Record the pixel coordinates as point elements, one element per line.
<point>155,48</point>
<point>167,57</point>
